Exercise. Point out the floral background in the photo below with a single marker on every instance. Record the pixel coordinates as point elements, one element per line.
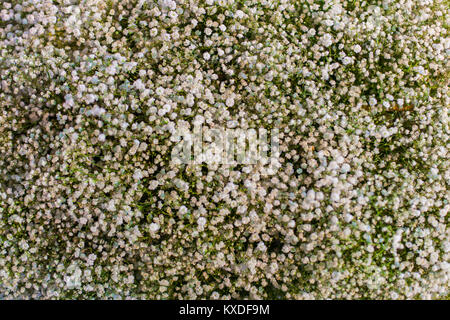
<point>91,206</point>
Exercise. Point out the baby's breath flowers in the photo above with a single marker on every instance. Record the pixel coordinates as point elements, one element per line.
<point>92,205</point>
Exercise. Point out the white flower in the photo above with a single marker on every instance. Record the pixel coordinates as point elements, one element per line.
<point>327,40</point>
<point>311,195</point>
<point>229,102</point>
<point>137,175</point>
<point>261,247</point>
<point>348,217</point>
<point>154,227</point>
<point>183,210</point>
<point>347,61</point>
<point>328,22</point>
<point>240,14</point>
<point>101,137</point>
<point>201,221</point>
<point>139,85</point>
<point>335,195</point>
<point>345,168</point>
<point>311,32</point>
<point>111,70</point>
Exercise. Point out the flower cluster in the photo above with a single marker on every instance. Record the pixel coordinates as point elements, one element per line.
<point>91,205</point>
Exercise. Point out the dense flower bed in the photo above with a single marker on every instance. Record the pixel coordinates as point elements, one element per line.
<point>91,205</point>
